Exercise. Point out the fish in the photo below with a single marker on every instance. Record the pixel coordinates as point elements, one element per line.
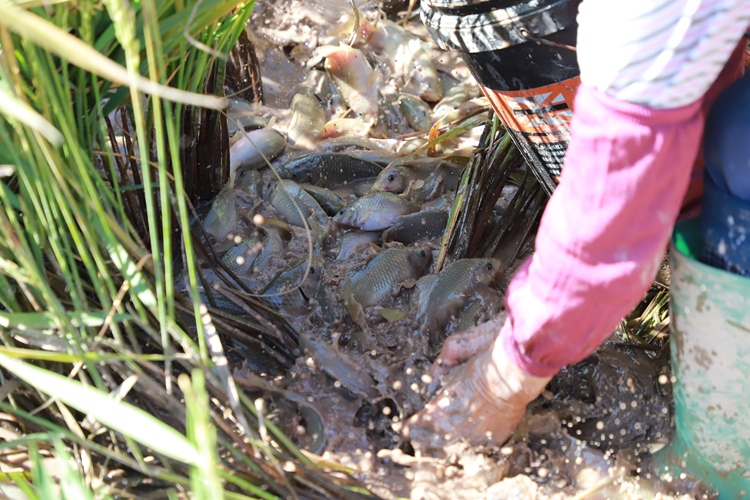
<point>485,301</point>
<point>354,78</point>
<point>452,99</point>
<point>289,293</point>
<point>248,184</point>
<point>375,211</point>
<point>241,258</point>
<point>281,194</point>
<point>340,367</point>
<point>273,248</point>
<point>427,177</point>
<point>245,122</point>
<point>362,188</point>
<point>250,149</point>
<point>384,275</point>
<point>342,127</point>
<point>329,170</point>
<point>390,119</point>
<point>416,111</point>
<point>424,225</point>
<point>308,119</point>
<point>450,291</point>
<point>354,242</point>
<point>406,58</point>
<point>340,144</point>
<point>222,217</point>
<point>328,200</point>
<point>420,289</point>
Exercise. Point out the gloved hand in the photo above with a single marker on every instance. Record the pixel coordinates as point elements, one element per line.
<point>482,400</point>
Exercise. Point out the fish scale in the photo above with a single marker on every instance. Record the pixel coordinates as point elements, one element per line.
<point>223,215</point>
<point>281,199</point>
<point>241,258</point>
<point>424,225</point>
<point>449,291</point>
<point>393,266</point>
<point>375,212</point>
<point>329,169</point>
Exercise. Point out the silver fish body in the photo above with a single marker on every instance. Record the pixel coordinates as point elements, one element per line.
<point>354,242</point>
<point>340,367</point>
<point>380,277</point>
<point>375,212</point>
<point>282,193</point>
<point>327,199</point>
<point>450,291</point>
<point>416,111</point>
<point>248,184</point>
<point>424,225</point>
<point>329,170</point>
<point>354,78</point>
<point>308,119</point>
<point>408,59</point>
<point>222,217</point>
<point>292,290</point>
<point>249,150</point>
<point>425,178</point>
<point>241,258</point>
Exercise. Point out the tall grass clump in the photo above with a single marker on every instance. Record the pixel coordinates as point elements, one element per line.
<point>113,384</point>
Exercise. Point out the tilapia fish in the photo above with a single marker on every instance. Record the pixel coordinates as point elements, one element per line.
<point>248,184</point>
<point>375,212</point>
<point>327,199</point>
<point>280,195</point>
<point>292,290</point>
<point>241,258</point>
<point>354,78</point>
<point>354,242</point>
<point>329,170</point>
<point>404,54</point>
<point>250,149</point>
<point>450,291</point>
<point>222,217</point>
<point>424,178</point>
<point>383,274</point>
<point>308,119</point>
<point>416,111</point>
<point>424,225</point>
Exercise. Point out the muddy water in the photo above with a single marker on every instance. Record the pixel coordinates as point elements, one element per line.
<point>356,379</point>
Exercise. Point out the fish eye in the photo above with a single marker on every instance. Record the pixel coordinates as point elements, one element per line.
<point>488,266</point>
<point>391,177</point>
<point>422,252</point>
<point>312,270</point>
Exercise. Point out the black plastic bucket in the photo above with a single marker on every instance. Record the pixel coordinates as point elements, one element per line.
<point>522,53</point>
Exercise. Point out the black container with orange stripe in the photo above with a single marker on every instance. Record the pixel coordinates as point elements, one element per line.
<point>522,53</point>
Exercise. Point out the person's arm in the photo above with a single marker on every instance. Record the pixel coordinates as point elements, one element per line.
<point>603,235</point>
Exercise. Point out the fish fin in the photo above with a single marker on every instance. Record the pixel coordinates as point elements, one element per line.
<point>376,248</point>
<point>391,314</point>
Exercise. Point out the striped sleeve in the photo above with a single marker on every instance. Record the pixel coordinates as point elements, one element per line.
<point>657,53</point>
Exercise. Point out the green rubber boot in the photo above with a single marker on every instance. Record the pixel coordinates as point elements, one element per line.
<point>710,346</point>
